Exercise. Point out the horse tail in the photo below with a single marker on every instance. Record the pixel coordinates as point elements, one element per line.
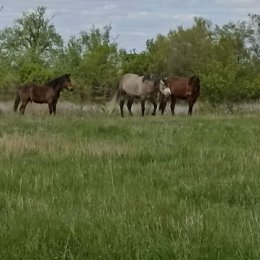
<point>112,103</point>
<point>17,101</point>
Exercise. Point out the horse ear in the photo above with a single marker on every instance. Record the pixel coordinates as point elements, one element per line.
<point>165,80</point>
<point>146,77</point>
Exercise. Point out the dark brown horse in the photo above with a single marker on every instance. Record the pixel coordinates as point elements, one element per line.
<point>181,88</point>
<point>48,93</point>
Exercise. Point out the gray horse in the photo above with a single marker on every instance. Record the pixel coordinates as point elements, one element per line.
<point>133,86</point>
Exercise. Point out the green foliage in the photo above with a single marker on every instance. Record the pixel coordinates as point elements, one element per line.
<point>224,57</point>
<point>8,82</point>
<point>98,70</point>
<point>34,72</point>
<point>159,53</point>
<point>190,50</point>
<point>70,58</point>
<point>230,83</point>
<point>28,50</point>
<point>99,66</point>
<point>227,58</point>
<point>134,63</point>
<point>93,60</point>
<point>32,36</point>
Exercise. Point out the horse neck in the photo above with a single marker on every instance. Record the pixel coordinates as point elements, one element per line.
<point>57,86</point>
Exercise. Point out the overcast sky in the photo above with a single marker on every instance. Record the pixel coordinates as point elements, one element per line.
<point>132,21</point>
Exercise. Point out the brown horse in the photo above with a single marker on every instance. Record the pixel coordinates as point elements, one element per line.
<point>48,93</point>
<point>181,88</point>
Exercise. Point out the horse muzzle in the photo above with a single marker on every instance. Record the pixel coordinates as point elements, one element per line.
<point>166,92</point>
<point>70,89</point>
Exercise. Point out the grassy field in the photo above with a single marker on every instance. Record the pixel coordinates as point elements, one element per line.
<point>93,186</point>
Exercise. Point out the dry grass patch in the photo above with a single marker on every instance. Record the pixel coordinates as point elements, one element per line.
<point>18,144</point>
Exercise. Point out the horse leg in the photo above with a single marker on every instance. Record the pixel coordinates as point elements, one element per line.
<point>50,108</point>
<point>129,106</point>
<point>54,108</point>
<point>173,102</point>
<point>121,104</point>
<point>23,106</point>
<point>191,103</point>
<point>163,107</point>
<point>163,104</point>
<point>154,106</point>
<point>143,106</point>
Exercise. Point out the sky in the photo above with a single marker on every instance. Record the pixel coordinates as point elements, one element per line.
<point>133,21</point>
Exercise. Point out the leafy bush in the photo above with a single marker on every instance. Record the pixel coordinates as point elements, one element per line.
<point>33,72</point>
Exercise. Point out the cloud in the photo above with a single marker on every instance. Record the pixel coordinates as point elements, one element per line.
<point>245,4</point>
<point>133,21</point>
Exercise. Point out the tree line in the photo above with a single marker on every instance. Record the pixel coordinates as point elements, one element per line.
<point>226,58</point>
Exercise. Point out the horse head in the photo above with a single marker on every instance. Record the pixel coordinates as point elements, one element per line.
<point>66,83</point>
<point>194,86</point>
<point>163,87</point>
<point>158,83</point>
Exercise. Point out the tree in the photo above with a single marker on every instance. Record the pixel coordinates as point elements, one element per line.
<point>221,56</point>
<point>254,40</point>
<point>32,38</point>
<point>70,59</point>
<point>233,40</point>
<point>134,63</point>
<point>158,53</point>
<point>235,77</point>
<point>94,60</point>
<point>190,49</point>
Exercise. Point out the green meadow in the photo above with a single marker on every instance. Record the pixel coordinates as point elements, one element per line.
<point>96,186</point>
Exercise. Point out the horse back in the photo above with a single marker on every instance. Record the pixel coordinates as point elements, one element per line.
<point>42,94</point>
<point>179,86</point>
<point>131,84</point>
<point>137,86</point>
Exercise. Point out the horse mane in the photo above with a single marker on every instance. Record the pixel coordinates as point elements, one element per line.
<point>156,80</point>
<point>147,77</point>
<point>194,78</point>
<point>54,82</point>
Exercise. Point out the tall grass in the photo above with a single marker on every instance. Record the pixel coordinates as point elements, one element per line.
<point>101,187</point>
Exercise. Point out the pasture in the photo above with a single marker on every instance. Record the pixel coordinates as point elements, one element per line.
<point>97,186</point>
